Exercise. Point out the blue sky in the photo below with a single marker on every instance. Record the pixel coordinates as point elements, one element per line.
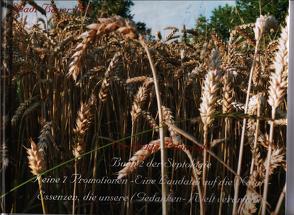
<point>160,14</point>
<point>156,14</point>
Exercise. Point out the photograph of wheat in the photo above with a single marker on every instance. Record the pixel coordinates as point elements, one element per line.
<point>144,107</point>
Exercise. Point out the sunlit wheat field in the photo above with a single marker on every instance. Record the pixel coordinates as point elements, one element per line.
<point>106,120</point>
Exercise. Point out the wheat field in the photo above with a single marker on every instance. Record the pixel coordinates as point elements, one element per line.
<point>96,109</point>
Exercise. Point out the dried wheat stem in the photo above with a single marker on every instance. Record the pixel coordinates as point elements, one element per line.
<point>82,125</point>
<point>192,139</point>
<point>41,194</point>
<point>205,143</point>
<point>161,132</point>
<point>258,33</point>
<point>280,201</point>
<point>278,158</point>
<point>94,170</point>
<point>37,7</point>
<point>176,139</point>
<point>252,198</point>
<point>75,187</point>
<point>201,203</point>
<point>227,108</point>
<point>256,135</point>
<point>277,90</point>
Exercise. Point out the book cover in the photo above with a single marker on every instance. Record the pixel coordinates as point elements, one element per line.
<point>145,107</point>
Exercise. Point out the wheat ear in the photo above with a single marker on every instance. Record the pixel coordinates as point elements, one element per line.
<point>133,80</point>
<point>151,121</point>
<point>82,125</point>
<point>37,166</point>
<point>105,26</point>
<point>140,98</point>
<point>20,110</point>
<point>227,106</point>
<point>103,93</point>
<point>45,137</point>
<point>207,110</point>
<point>168,118</point>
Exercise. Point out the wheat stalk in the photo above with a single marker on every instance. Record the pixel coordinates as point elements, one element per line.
<point>82,125</point>
<point>251,199</point>
<point>161,132</point>
<point>259,31</point>
<point>253,129</point>
<point>277,90</point>
<point>280,201</point>
<point>176,139</point>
